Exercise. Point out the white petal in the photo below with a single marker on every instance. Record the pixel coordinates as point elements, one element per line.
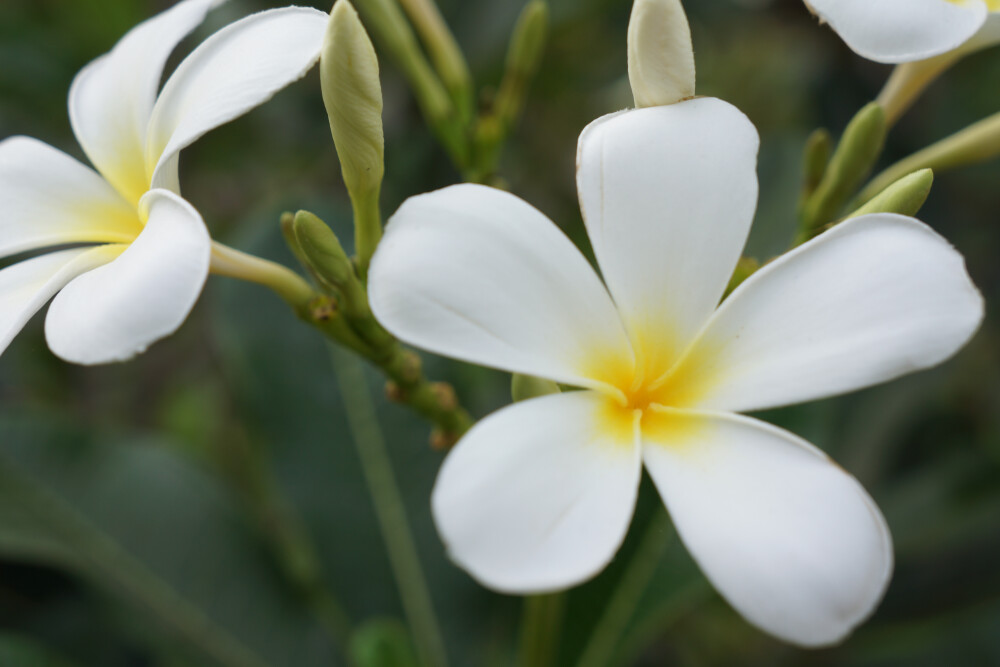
<point>26,286</point>
<point>118,310</point>
<point>668,195</point>
<point>48,198</point>
<point>478,274</point>
<point>660,55</point>
<point>236,69</point>
<point>111,98</point>
<point>786,536</point>
<point>538,497</point>
<point>899,31</point>
<point>874,298</point>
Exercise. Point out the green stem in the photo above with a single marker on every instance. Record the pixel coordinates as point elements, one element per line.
<point>613,622</point>
<point>540,623</point>
<point>389,508</point>
<point>367,231</point>
<point>908,81</point>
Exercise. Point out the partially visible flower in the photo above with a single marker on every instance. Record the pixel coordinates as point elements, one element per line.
<point>143,252</point>
<point>538,496</point>
<point>899,31</point>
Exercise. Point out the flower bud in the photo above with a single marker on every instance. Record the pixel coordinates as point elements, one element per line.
<point>660,55</point>
<point>353,97</point>
<point>854,158</point>
<point>905,196</point>
<point>324,256</point>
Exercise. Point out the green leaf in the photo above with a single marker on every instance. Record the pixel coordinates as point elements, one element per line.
<point>144,525</point>
<point>18,651</point>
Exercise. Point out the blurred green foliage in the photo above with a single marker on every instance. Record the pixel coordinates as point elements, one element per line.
<point>131,527</point>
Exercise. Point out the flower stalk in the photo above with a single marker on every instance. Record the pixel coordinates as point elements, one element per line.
<point>908,81</point>
<point>977,143</point>
<point>339,310</point>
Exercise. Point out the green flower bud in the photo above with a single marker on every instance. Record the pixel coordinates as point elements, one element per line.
<point>854,158</point>
<point>905,196</point>
<point>325,257</point>
<point>816,157</point>
<point>523,387</point>
<point>353,97</point>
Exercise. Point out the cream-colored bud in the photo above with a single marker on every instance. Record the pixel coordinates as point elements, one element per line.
<point>660,55</point>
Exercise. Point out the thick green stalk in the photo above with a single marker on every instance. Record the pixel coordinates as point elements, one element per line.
<point>389,508</point>
<point>977,143</point>
<point>613,622</point>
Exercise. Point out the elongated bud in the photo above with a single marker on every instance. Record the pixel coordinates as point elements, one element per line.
<point>325,257</point>
<point>353,97</point>
<point>660,55</point>
<point>854,158</point>
<point>816,157</point>
<point>905,196</point>
<point>527,43</point>
<point>523,387</point>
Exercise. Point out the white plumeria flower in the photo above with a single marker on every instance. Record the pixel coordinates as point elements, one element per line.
<point>148,251</point>
<point>538,496</point>
<point>899,31</point>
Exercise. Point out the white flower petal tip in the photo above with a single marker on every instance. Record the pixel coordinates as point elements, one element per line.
<point>792,541</point>
<point>898,31</point>
<point>235,70</point>
<point>661,66</point>
<point>116,311</point>
<point>537,497</point>
<point>668,195</point>
<point>477,274</point>
<point>874,298</point>
<point>111,99</point>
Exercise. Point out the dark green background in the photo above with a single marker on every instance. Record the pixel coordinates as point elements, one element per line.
<point>125,538</point>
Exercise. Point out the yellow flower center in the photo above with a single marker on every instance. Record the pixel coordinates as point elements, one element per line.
<point>651,392</point>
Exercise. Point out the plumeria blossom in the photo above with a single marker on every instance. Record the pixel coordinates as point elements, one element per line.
<point>140,253</point>
<point>899,31</point>
<point>538,496</point>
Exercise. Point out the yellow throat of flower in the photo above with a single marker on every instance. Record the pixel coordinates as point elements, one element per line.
<point>651,393</point>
